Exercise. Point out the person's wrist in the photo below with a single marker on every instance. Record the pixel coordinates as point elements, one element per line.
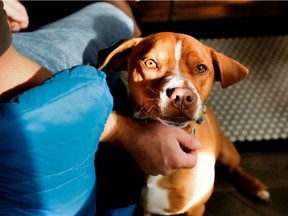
<point>118,130</point>
<point>129,132</point>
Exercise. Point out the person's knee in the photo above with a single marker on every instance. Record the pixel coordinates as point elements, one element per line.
<point>112,19</point>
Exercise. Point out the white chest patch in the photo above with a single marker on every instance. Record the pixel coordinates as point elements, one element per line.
<point>203,178</point>
<point>156,199</point>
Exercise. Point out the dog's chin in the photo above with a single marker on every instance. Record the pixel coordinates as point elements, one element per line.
<point>179,122</point>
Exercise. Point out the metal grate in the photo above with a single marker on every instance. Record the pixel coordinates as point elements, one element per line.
<point>256,108</point>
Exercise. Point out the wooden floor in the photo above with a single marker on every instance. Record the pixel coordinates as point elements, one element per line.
<point>272,169</point>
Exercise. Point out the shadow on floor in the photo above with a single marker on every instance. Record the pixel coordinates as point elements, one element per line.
<point>272,169</point>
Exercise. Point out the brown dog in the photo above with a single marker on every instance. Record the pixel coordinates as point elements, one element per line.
<point>169,77</point>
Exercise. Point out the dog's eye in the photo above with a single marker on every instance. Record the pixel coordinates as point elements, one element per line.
<point>201,69</point>
<point>151,64</point>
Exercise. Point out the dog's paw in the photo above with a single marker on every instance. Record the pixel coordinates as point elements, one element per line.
<point>263,195</point>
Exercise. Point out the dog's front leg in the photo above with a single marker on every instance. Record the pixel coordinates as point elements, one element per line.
<point>196,211</point>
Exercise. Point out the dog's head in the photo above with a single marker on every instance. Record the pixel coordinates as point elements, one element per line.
<point>170,75</point>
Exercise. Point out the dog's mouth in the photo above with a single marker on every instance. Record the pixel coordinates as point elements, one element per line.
<point>176,119</point>
<point>180,121</point>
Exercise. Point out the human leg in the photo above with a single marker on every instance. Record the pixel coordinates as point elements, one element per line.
<point>57,47</point>
<point>75,39</point>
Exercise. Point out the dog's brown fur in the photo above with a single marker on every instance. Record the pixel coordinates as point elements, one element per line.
<point>155,72</point>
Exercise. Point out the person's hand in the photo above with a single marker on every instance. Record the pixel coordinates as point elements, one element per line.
<point>156,148</point>
<point>17,15</point>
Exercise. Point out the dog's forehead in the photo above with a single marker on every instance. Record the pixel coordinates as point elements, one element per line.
<point>168,43</point>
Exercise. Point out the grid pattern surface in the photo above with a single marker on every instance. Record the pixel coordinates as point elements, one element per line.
<point>256,108</point>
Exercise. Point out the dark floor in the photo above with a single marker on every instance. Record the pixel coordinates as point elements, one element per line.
<point>272,169</point>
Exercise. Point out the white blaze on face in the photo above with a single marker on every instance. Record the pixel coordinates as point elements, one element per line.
<point>177,80</point>
<point>178,51</point>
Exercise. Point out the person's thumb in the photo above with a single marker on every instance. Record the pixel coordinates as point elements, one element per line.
<point>188,143</point>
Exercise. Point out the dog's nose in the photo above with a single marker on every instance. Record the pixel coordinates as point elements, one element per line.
<point>181,98</point>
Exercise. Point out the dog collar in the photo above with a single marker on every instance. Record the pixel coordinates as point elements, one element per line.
<point>202,117</point>
<point>200,120</point>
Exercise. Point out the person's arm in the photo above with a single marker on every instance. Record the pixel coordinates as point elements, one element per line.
<point>156,148</point>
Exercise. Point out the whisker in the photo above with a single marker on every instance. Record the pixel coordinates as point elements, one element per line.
<point>139,112</point>
<point>150,99</point>
<point>152,107</point>
<point>151,89</point>
<point>147,112</point>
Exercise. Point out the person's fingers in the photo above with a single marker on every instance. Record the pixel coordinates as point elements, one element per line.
<point>15,27</point>
<point>189,147</point>
<point>189,160</point>
<point>16,12</point>
<point>187,142</point>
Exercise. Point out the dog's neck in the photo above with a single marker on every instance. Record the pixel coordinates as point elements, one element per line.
<point>202,117</point>
<point>191,128</point>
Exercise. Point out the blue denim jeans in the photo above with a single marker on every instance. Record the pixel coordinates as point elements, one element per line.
<point>75,40</point>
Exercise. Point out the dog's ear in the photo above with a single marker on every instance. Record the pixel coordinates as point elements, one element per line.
<point>227,70</point>
<point>115,57</point>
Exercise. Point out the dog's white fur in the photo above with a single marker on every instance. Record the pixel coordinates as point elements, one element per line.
<point>185,190</point>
